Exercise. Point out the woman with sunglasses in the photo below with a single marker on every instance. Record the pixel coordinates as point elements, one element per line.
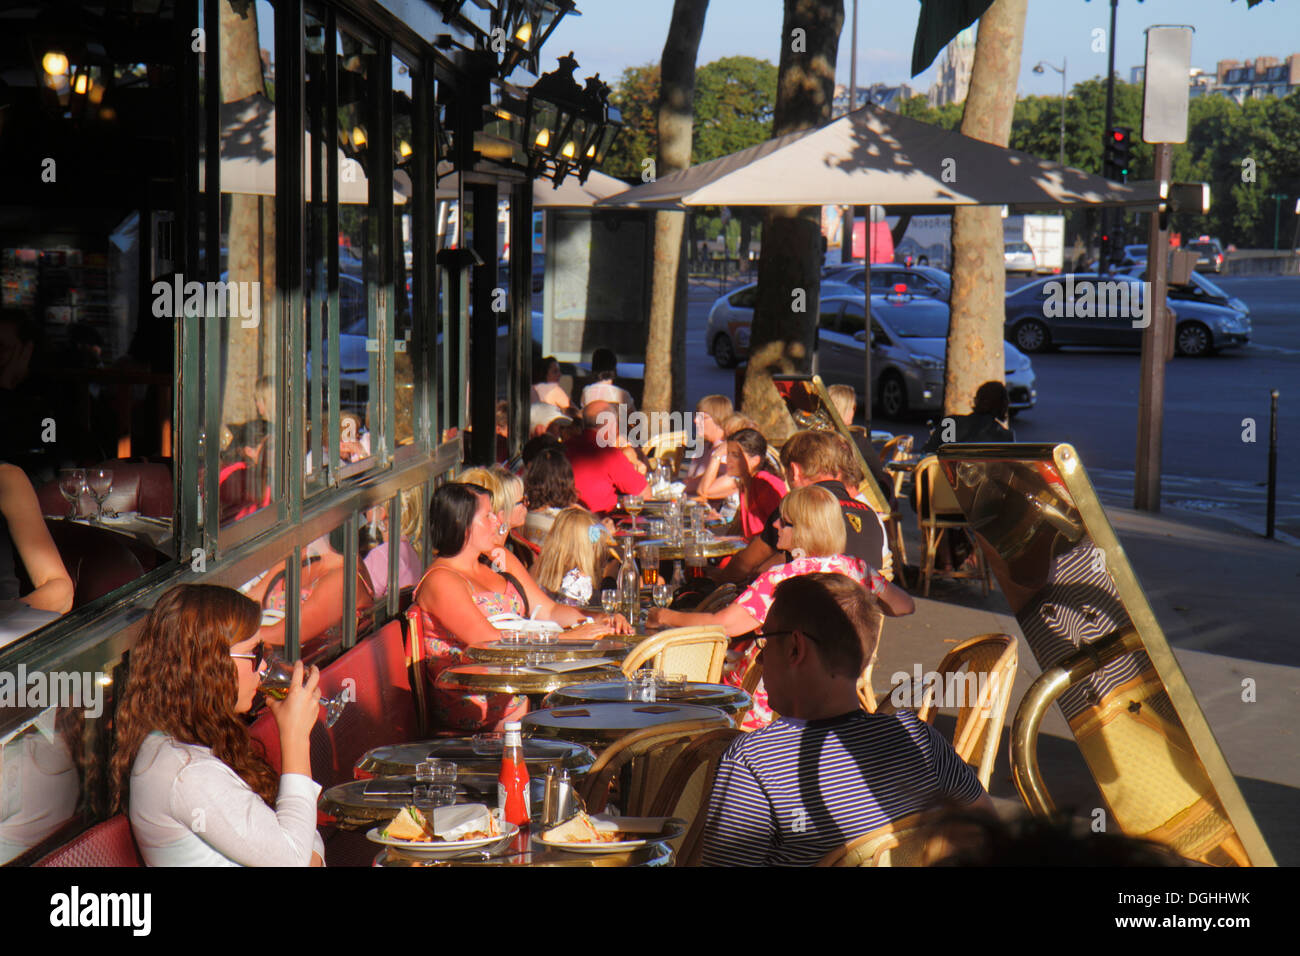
<point>198,791</point>
<point>811,529</point>
<point>473,578</point>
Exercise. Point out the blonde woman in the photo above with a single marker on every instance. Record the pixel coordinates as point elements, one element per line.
<point>812,530</point>
<point>576,557</point>
<point>711,412</point>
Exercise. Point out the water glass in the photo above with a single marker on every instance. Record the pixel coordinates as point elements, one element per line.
<point>646,682</point>
<point>662,593</point>
<point>658,528</point>
<point>514,637</point>
<point>72,485</point>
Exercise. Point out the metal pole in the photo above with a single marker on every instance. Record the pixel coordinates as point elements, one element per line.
<point>1272,463</point>
<point>1107,214</point>
<point>846,218</point>
<point>866,350</point>
<point>1155,352</point>
<point>1277,212</point>
<point>1064,64</point>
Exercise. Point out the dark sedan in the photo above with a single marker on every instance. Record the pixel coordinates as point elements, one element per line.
<point>1111,310</point>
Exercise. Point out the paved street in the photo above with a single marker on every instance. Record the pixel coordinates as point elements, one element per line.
<point>1088,397</point>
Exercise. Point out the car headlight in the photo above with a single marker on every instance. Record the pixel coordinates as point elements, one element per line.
<point>925,361</point>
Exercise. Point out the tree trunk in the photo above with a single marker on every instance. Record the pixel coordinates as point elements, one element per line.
<point>975,353</point>
<point>789,264</point>
<point>665,387</point>
<point>250,239</point>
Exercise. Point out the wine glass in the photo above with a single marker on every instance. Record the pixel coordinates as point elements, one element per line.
<point>277,677</point>
<point>100,483</point>
<point>633,504</point>
<point>72,485</point>
<point>609,600</point>
<point>662,593</point>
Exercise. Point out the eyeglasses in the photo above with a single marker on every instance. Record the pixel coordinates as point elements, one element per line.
<point>258,655</point>
<point>763,638</point>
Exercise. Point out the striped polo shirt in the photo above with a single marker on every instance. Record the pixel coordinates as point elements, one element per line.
<point>790,793</point>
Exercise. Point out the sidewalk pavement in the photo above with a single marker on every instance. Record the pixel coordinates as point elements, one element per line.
<point>1227,602</point>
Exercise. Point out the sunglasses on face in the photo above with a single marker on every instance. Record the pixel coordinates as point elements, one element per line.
<point>764,636</point>
<point>257,656</point>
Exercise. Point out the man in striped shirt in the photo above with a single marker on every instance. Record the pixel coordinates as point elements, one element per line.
<point>826,772</point>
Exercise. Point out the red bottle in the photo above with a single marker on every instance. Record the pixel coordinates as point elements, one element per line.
<point>512,784</point>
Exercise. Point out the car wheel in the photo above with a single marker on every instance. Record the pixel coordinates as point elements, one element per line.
<point>1032,336</point>
<point>1192,339</point>
<point>893,396</point>
<point>723,351</point>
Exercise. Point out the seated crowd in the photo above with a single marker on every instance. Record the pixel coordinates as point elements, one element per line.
<point>539,544</point>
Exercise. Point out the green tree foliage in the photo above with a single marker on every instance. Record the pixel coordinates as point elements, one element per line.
<point>636,94</point>
<point>1221,136</point>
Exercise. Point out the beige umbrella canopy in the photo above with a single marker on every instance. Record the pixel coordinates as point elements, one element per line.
<point>570,195</point>
<point>874,156</point>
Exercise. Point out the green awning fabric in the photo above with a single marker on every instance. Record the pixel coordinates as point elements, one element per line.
<point>940,21</point>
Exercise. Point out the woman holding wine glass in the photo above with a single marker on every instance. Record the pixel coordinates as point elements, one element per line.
<point>185,768</point>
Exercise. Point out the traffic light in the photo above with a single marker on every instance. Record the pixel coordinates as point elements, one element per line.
<point>1118,153</point>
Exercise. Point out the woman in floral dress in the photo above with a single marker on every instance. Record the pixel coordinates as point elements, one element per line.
<point>812,531</point>
<point>471,579</point>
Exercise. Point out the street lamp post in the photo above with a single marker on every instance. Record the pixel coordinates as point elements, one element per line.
<point>1038,68</point>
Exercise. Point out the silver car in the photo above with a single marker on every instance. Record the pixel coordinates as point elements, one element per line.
<point>730,318</point>
<point>909,337</point>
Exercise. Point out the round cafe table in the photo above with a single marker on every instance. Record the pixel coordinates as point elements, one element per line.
<point>503,679</point>
<point>716,547</point>
<point>499,652</point>
<point>599,725</point>
<point>481,755</point>
<point>350,807</point>
<point>726,698</point>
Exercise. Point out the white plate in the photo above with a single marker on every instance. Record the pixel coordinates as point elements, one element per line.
<point>441,850</point>
<point>656,830</point>
<point>620,846</point>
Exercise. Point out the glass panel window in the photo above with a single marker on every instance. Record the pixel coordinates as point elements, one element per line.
<point>243,306</point>
<point>321,253</point>
<point>404,208</point>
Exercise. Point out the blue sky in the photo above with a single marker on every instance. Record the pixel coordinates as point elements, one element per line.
<point>613,34</point>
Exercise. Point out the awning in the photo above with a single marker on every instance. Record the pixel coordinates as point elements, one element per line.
<point>872,156</point>
<point>570,195</point>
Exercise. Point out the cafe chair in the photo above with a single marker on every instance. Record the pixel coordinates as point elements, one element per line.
<point>988,662</point>
<point>749,683</point>
<point>937,513</point>
<point>638,765</point>
<point>717,599</point>
<point>898,447</point>
<point>669,447</point>
<point>905,842</point>
<point>697,652</point>
<point>686,789</point>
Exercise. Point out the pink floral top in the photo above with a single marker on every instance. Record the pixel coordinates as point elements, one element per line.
<point>757,600</point>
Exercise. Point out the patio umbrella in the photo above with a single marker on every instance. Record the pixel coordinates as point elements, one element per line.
<point>570,195</point>
<point>874,156</point>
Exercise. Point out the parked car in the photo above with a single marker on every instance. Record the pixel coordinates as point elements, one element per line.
<point>1019,257</point>
<point>1202,306</point>
<point>1135,253</point>
<point>1209,254</point>
<point>1099,310</point>
<point>727,335</point>
<point>909,338</point>
<point>916,280</point>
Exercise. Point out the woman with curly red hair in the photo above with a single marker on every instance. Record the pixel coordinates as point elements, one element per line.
<point>197,790</point>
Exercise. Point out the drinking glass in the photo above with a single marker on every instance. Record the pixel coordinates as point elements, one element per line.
<point>658,528</point>
<point>100,483</point>
<point>514,637</point>
<point>695,560</point>
<point>645,683</point>
<point>609,600</point>
<point>633,504</point>
<point>277,677</point>
<point>671,682</point>
<point>662,593</point>
<point>72,485</point>
<point>649,565</point>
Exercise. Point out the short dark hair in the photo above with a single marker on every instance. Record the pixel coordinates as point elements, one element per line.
<point>845,627</point>
<point>604,364</point>
<point>542,365</point>
<point>451,512</point>
<point>538,444</point>
<point>548,480</point>
<point>991,398</point>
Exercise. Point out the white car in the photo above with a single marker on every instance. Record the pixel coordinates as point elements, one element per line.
<point>730,318</point>
<point>1019,257</point>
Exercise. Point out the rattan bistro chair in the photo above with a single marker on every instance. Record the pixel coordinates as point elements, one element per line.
<point>904,842</point>
<point>696,652</point>
<point>989,662</point>
<point>717,599</point>
<point>686,789</point>
<point>937,513</point>
<point>639,764</point>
